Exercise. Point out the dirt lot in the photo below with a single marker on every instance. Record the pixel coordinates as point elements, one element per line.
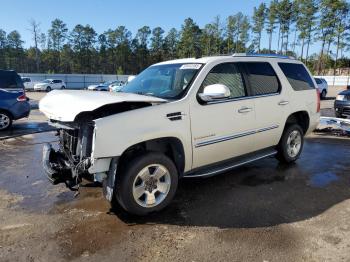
<point>264,211</point>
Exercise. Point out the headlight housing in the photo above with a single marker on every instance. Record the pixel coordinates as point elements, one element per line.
<point>340,97</point>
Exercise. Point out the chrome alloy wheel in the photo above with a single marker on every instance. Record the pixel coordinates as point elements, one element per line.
<point>294,143</point>
<point>4,121</point>
<point>151,185</point>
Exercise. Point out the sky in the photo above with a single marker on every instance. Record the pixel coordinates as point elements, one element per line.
<point>102,15</point>
<point>105,14</point>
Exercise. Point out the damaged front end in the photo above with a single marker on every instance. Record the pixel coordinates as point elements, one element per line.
<point>69,163</point>
<point>74,113</point>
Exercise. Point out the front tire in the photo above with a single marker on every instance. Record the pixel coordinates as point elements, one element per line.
<point>5,120</point>
<point>147,184</point>
<point>48,89</point>
<point>323,94</point>
<point>291,144</point>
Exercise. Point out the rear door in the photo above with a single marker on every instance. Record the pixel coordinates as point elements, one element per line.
<point>56,84</point>
<point>271,103</point>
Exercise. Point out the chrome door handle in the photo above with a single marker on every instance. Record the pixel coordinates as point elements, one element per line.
<point>245,110</point>
<point>283,103</point>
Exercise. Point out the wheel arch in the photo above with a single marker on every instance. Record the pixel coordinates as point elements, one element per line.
<point>301,118</point>
<point>7,111</point>
<point>172,147</point>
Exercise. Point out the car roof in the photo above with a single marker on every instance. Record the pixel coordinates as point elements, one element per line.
<point>241,57</point>
<point>3,72</point>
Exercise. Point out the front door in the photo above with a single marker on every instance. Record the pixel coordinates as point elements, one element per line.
<point>223,129</point>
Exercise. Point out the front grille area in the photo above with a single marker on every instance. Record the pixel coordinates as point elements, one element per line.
<point>346,110</point>
<point>347,98</point>
<point>69,141</point>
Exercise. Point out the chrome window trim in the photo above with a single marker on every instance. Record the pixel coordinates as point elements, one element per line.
<point>240,98</point>
<point>234,136</point>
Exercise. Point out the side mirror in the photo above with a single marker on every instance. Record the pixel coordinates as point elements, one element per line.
<point>215,92</point>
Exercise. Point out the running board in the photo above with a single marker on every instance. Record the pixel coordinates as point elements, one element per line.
<point>227,165</point>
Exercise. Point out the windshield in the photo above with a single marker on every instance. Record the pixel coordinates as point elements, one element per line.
<point>164,81</point>
<point>46,81</point>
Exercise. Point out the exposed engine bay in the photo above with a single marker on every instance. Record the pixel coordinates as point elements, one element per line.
<point>69,163</point>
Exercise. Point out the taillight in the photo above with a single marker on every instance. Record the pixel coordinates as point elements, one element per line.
<point>22,98</point>
<point>318,100</point>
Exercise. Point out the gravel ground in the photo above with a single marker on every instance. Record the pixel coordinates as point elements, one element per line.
<point>264,211</point>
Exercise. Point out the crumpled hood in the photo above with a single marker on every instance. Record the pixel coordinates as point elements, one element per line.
<point>65,105</point>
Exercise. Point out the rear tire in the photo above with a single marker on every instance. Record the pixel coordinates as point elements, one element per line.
<point>291,144</point>
<point>5,120</point>
<point>146,184</point>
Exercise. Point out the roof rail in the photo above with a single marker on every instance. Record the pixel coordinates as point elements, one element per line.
<point>263,55</point>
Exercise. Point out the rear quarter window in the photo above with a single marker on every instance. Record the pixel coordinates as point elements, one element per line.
<point>298,76</point>
<point>10,80</point>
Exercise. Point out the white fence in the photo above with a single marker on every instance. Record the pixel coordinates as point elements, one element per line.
<point>336,80</point>
<point>75,81</point>
<point>81,81</point>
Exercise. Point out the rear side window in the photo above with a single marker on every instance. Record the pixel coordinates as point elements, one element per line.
<point>229,75</point>
<point>297,76</point>
<point>10,80</point>
<point>262,78</point>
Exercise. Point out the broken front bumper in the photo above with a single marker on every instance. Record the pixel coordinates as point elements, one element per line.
<point>56,167</point>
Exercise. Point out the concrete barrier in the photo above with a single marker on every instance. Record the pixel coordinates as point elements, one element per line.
<point>76,81</point>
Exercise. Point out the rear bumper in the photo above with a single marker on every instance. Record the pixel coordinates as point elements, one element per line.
<point>342,107</point>
<point>20,110</point>
<point>314,122</point>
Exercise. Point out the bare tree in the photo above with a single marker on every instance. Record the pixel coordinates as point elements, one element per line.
<point>35,30</point>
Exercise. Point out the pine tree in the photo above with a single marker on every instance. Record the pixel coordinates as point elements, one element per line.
<point>259,17</point>
<point>170,44</point>
<point>305,23</point>
<point>271,21</point>
<point>157,43</point>
<point>189,45</point>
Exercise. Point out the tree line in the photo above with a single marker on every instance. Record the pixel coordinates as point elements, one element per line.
<point>291,28</point>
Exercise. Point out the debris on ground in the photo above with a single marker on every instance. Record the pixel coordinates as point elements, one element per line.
<point>334,126</point>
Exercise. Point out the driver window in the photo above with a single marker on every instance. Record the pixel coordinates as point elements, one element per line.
<point>227,74</point>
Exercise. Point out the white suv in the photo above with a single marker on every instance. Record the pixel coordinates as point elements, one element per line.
<point>49,84</point>
<point>182,118</point>
<point>28,84</point>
